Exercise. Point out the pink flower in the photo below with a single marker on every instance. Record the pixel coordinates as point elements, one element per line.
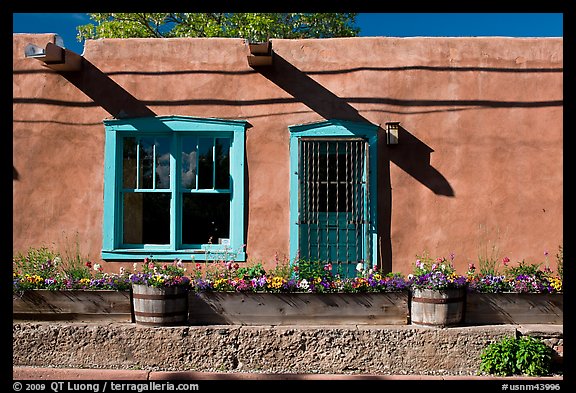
<point>505,261</point>
<point>471,267</point>
<point>151,265</point>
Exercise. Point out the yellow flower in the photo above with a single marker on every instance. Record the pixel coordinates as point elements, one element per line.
<point>33,279</point>
<point>556,283</point>
<point>220,283</point>
<point>276,282</point>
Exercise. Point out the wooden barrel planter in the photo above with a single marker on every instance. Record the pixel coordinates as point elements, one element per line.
<point>160,306</point>
<point>437,308</point>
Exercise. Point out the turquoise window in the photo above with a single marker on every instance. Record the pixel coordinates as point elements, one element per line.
<point>174,188</point>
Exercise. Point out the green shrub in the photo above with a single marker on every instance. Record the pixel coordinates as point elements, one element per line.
<point>41,261</point>
<point>560,260</point>
<point>517,356</point>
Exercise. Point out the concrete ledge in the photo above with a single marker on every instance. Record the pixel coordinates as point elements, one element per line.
<point>64,374</point>
<point>379,350</point>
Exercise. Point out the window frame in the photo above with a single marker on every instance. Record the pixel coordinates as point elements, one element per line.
<point>174,127</point>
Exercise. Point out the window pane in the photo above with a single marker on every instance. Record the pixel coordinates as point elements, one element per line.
<point>189,156</point>
<point>151,148</point>
<point>129,163</point>
<point>146,218</point>
<point>205,217</point>
<point>162,162</point>
<point>222,163</point>
<point>205,164</point>
<point>146,162</point>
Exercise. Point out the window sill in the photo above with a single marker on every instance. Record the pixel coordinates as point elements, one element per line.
<point>165,255</point>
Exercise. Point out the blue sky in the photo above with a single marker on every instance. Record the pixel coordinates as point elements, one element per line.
<point>371,24</point>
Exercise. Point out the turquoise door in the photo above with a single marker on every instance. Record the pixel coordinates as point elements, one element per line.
<point>333,201</point>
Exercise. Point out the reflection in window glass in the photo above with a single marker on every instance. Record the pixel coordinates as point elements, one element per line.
<point>189,156</point>
<point>205,217</point>
<point>222,163</point>
<point>146,163</point>
<point>146,218</point>
<point>154,152</point>
<point>129,163</point>
<point>205,163</point>
<point>162,162</point>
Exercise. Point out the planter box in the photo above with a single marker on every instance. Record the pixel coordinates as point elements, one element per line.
<point>514,308</point>
<point>287,308</point>
<point>235,308</point>
<point>72,305</point>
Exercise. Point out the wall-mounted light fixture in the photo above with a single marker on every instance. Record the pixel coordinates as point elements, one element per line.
<point>392,128</point>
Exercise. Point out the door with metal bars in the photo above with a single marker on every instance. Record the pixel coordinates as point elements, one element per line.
<point>333,201</point>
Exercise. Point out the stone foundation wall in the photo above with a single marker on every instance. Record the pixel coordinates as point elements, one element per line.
<point>399,350</point>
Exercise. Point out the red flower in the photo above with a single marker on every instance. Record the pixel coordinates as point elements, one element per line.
<point>505,261</point>
<point>89,265</point>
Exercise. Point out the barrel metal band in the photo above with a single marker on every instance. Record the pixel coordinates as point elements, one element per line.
<point>174,323</point>
<point>160,297</point>
<point>157,314</point>
<point>437,301</point>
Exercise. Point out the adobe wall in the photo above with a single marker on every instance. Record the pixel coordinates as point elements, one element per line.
<point>478,165</point>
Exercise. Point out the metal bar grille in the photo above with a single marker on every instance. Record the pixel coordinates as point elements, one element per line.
<point>333,199</point>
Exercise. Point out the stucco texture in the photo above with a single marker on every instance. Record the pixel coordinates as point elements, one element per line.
<point>477,170</point>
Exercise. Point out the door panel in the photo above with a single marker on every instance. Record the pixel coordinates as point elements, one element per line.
<point>332,200</point>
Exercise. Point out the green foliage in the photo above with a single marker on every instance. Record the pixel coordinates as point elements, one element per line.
<point>255,27</point>
<point>560,262</point>
<point>42,262</point>
<point>250,272</point>
<point>309,270</point>
<point>75,265</point>
<point>523,268</point>
<point>488,252</point>
<point>517,356</point>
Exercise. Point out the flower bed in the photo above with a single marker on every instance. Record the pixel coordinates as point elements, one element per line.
<point>292,293</point>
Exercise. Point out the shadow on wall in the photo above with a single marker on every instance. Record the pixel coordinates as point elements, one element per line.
<point>413,155</point>
<point>107,93</point>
